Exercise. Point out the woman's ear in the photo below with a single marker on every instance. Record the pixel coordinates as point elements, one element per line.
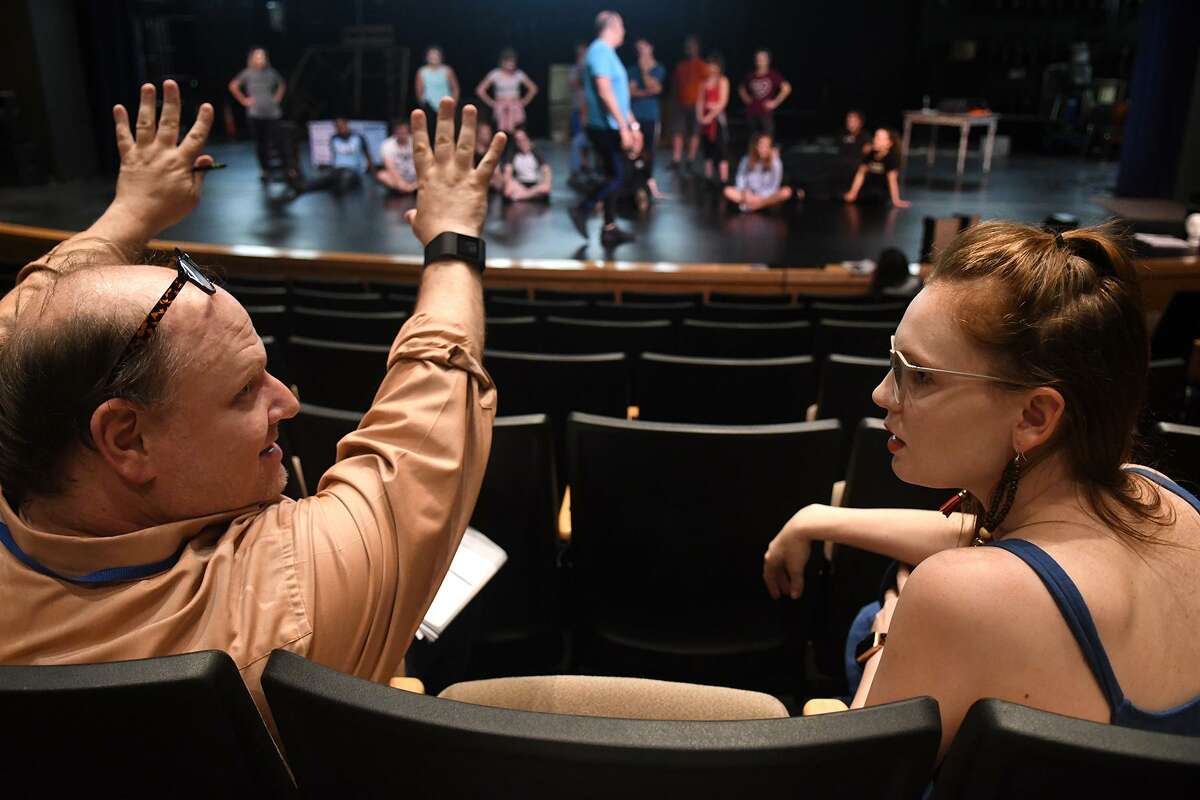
<point>1041,414</point>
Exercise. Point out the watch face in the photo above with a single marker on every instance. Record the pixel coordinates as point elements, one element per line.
<point>468,247</point>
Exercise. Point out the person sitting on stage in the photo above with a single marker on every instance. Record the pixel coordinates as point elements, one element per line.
<point>399,172</point>
<point>710,117</point>
<point>759,182</point>
<point>140,512</point>
<point>854,143</point>
<point>350,159</point>
<point>483,136</point>
<point>1019,372</point>
<point>878,177</point>
<point>506,102</point>
<point>526,175</point>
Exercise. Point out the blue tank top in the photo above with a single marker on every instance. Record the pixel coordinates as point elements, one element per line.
<point>1183,719</point>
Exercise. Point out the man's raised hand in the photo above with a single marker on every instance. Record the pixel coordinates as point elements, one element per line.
<point>157,186</point>
<point>452,192</point>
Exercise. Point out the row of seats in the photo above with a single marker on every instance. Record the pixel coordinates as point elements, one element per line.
<point>145,725</point>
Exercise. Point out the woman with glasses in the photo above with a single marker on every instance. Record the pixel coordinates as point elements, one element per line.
<point>1058,575</point>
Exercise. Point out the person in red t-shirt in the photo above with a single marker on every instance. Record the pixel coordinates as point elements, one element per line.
<point>689,75</point>
<point>762,92</point>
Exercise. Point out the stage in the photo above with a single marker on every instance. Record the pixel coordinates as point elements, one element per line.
<point>688,226</point>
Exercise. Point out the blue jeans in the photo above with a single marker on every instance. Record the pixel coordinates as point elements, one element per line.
<point>859,630</point>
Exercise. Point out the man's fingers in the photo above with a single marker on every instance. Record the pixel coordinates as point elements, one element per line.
<point>145,117</point>
<point>491,158</point>
<point>121,125</point>
<point>444,136</point>
<point>422,152</point>
<point>168,122</point>
<point>466,137</point>
<point>202,161</point>
<point>192,143</point>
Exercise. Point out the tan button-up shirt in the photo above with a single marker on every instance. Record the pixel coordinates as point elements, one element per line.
<point>342,578</point>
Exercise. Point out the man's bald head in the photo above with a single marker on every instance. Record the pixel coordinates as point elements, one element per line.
<point>55,367</point>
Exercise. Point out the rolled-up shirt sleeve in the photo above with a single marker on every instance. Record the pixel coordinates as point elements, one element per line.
<point>372,546</point>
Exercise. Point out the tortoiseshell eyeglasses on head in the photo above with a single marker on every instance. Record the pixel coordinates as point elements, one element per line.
<point>188,272</point>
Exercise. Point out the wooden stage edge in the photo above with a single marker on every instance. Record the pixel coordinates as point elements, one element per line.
<point>1160,277</point>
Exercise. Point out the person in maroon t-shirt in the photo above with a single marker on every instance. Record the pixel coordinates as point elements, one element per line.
<point>762,92</point>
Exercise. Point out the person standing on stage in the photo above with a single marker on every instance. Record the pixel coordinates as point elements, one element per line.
<point>579,140</point>
<point>435,80</point>
<point>689,75</point>
<point>610,125</point>
<point>260,89</point>
<point>763,91</point>
<point>878,176</point>
<point>506,102</point>
<point>711,103</point>
<point>646,79</point>
<point>399,170</point>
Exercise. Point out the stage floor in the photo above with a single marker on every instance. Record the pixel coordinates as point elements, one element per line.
<point>688,226</point>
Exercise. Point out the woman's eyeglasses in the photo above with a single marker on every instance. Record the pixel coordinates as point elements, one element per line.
<point>904,373</point>
<point>189,272</point>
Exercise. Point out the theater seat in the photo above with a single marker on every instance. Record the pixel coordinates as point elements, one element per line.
<point>1007,750</point>
<point>744,339</point>
<point>1180,451</point>
<point>336,374</point>
<point>845,391</point>
<point>669,526</point>
<point>348,737</point>
<point>622,698</point>
<point>865,312</point>
<point>629,311</point>
<point>751,312</point>
<point>313,435</point>
<point>523,334</point>
<point>520,613</point>
<point>181,725</point>
<point>865,339</point>
<point>586,297</point>
<point>563,335</point>
<point>518,307</point>
<point>270,320</point>
<point>724,391</point>
<point>338,301</point>
<point>375,327</point>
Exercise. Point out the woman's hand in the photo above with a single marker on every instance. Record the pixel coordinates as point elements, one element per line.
<point>157,187</point>
<point>787,555</point>
<point>452,193</point>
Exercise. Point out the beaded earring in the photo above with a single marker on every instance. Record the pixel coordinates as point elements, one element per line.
<point>1001,502</point>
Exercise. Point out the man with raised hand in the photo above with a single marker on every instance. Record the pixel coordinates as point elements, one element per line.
<point>141,512</point>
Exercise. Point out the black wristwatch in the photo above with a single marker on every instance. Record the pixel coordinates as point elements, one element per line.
<point>458,247</point>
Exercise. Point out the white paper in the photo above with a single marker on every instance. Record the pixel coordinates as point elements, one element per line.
<point>477,560</point>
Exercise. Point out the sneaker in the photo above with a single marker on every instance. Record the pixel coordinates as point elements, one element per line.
<point>610,237</point>
<point>579,220</point>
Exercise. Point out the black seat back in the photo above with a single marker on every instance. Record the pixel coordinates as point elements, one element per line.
<point>181,725</point>
<point>313,435</point>
<point>338,301</point>
<point>375,327</point>
<point>670,571</point>
<point>751,312</point>
<point>1180,453</point>
<point>865,312</point>
<point>628,311</point>
<point>563,335</point>
<point>1007,750</point>
<point>517,307</point>
<point>523,334</point>
<point>724,391</point>
<point>520,610</point>
<point>350,737</point>
<point>845,390</point>
<point>270,320</point>
<point>336,374</point>
<point>585,297</point>
<point>854,338</point>
<point>744,339</point>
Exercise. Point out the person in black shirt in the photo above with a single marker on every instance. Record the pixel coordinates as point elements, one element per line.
<point>526,175</point>
<point>878,176</point>
<point>854,142</point>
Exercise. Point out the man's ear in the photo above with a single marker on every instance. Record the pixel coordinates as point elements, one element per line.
<point>117,428</point>
<point>1041,415</point>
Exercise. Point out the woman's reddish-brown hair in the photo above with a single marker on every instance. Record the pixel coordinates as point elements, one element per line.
<point>1065,311</point>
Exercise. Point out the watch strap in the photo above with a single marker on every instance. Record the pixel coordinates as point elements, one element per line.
<point>457,246</point>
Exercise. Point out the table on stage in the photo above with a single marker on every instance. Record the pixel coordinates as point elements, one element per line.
<point>964,123</point>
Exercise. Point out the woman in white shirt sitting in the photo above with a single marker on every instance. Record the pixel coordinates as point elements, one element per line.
<point>759,182</point>
<point>526,175</point>
<point>398,172</point>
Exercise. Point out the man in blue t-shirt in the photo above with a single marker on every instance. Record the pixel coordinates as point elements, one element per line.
<point>610,125</point>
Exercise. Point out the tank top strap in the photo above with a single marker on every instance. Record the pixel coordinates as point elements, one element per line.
<point>1168,484</point>
<point>1074,610</point>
